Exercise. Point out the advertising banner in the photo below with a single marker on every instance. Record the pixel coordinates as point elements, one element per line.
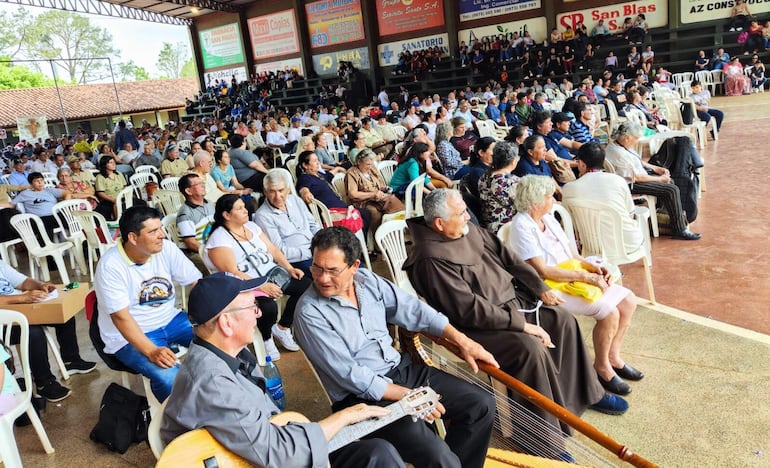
<point>388,52</point>
<point>695,11</point>
<point>291,64</point>
<point>226,74</point>
<point>32,128</point>
<point>476,9</point>
<point>221,46</point>
<point>399,16</point>
<point>274,35</point>
<point>613,15</point>
<point>326,64</point>
<point>331,22</point>
<point>536,27</point>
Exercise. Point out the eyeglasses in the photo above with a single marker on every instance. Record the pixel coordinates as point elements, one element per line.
<point>252,307</point>
<point>333,272</point>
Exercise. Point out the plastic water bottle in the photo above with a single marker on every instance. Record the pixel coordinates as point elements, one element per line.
<point>274,383</point>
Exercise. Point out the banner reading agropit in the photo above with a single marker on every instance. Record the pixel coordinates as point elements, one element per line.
<point>332,22</point>
<point>536,27</point>
<point>613,15</point>
<point>221,46</point>
<point>399,16</point>
<point>274,35</point>
<point>474,9</point>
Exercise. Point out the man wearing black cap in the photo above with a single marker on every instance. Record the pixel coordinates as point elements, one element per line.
<point>220,387</point>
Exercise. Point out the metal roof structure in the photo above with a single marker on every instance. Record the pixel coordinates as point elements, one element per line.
<point>175,12</point>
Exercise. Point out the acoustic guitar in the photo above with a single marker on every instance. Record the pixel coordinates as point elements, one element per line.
<point>199,448</point>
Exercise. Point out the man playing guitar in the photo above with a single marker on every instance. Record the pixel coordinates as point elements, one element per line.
<point>219,387</point>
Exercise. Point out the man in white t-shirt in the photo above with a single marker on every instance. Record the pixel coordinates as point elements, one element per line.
<point>138,319</point>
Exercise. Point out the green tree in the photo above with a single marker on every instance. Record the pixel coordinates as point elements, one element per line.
<point>130,71</point>
<point>172,58</point>
<point>18,77</point>
<point>74,42</point>
<point>189,70</point>
<point>14,28</point>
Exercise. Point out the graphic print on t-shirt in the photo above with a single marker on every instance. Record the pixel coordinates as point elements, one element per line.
<point>155,291</point>
<point>6,288</point>
<point>256,263</point>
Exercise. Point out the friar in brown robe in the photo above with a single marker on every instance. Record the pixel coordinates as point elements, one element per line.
<point>480,285</point>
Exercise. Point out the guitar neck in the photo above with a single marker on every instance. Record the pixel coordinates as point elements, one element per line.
<point>358,430</point>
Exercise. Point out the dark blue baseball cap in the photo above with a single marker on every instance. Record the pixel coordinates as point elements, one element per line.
<point>213,293</point>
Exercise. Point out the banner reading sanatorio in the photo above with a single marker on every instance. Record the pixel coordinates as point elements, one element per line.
<point>388,52</point>
<point>399,16</point>
<point>475,9</point>
<point>221,46</point>
<point>695,11</point>
<point>274,35</point>
<point>331,22</point>
<point>656,14</point>
<point>536,27</point>
<point>327,64</point>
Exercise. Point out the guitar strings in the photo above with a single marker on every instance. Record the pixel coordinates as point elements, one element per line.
<point>516,427</point>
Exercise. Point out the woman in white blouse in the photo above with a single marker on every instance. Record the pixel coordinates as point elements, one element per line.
<point>240,247</point>
<point>537,237</point>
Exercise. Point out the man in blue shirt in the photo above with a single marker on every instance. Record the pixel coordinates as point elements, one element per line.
<point>341,326</point>
<point>19,174</point>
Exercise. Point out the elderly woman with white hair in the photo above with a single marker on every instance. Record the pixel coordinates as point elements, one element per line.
<point>450,158</point>
<point>537,237</point>
<point>648,179</point>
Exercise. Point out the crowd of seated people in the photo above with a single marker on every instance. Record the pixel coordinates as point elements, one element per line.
<point>436,137</point>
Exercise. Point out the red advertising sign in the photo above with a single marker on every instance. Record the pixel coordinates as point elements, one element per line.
<point>273,35</point>
<point>399,16</point>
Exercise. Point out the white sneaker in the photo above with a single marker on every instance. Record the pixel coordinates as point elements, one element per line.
<point>284,338</point>
<point>732,29</point>
<point>271,350</point>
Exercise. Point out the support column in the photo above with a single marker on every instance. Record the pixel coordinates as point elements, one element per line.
<point>196,48</point>
<point>372,33</point>
<point>452,23</point>
<point>304,36</point>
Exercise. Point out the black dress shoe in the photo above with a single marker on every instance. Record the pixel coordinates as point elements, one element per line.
<point>629,373</point>
<point>686,235</point>
<point>615,385</point>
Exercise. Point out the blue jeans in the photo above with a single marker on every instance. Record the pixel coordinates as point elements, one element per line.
<point>177,332</point>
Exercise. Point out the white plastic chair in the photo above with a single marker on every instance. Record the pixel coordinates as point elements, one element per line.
<point>71,230</point>
<point>38,267</point>
<point>153,431</point>
<point>504,233</point>
<point>324,219</point>
<point>719,79</point>
<point>413,197</point>
<point>170,183</point>
<point>588,216</point>
<point>140,180</point>
<point>291,168</point>
<point>707,79</point>
<point>50,179</point>
<point>390,239</point>
<point>124,201</point>
<point>93,224</point>
<point>184,145</point>
<point>172,232</point>
<point>338,182</point>
<point>387,168</point>
<point>168,201</point>
<point>9,453</point>
<point>8,252</point>
<point>146,169</point>
<point>565,219</point>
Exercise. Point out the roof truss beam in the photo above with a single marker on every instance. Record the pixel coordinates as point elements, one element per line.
<point>96,7</point>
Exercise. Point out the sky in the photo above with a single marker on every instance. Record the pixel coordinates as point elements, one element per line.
<point>139,41</point>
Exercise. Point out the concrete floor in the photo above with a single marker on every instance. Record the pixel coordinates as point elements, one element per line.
<point>703,400</point>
